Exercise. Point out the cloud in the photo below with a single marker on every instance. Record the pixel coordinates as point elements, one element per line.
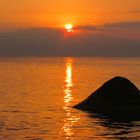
<point>111,26</point>
<point>52,42</point>
<point>86,27</point>
<point>122,25</point>
<point>137,11</point>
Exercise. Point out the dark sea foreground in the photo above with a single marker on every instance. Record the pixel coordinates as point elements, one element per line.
<point>37,95</point>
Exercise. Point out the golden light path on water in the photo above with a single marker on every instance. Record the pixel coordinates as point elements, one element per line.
<point>70,118</point>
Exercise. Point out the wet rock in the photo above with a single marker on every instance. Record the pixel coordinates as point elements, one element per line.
<point>116,95</point>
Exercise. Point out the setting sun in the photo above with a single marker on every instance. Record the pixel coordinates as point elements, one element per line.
<point>69,27</point>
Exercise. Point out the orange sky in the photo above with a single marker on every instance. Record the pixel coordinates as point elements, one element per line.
<point>52,13</point>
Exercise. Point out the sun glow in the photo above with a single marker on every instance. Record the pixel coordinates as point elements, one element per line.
<point>69,27</point>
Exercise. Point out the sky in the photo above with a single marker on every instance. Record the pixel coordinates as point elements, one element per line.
<point>44,13</point>
<point>101,27</point>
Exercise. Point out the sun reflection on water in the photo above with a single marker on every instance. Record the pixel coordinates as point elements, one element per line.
<point>68,85</point>
<point>70,118</point>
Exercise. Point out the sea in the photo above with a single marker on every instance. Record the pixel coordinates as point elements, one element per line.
<point>37,95</point>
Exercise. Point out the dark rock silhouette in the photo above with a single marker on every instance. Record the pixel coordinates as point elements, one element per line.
<point>116,95</point>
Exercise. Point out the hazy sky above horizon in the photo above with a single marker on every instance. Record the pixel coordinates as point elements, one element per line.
<point>55,13</point>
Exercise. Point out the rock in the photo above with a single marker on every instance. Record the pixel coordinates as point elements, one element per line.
<point>116,95</point>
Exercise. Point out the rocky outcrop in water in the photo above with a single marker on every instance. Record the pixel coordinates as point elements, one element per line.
<point>116,95</point>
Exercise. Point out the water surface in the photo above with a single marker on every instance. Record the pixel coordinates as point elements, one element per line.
<point>37,93</point>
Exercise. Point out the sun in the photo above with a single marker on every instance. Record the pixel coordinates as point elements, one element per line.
<point>69,27</point>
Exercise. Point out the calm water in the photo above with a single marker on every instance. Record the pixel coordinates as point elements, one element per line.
<point>36,95</point>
